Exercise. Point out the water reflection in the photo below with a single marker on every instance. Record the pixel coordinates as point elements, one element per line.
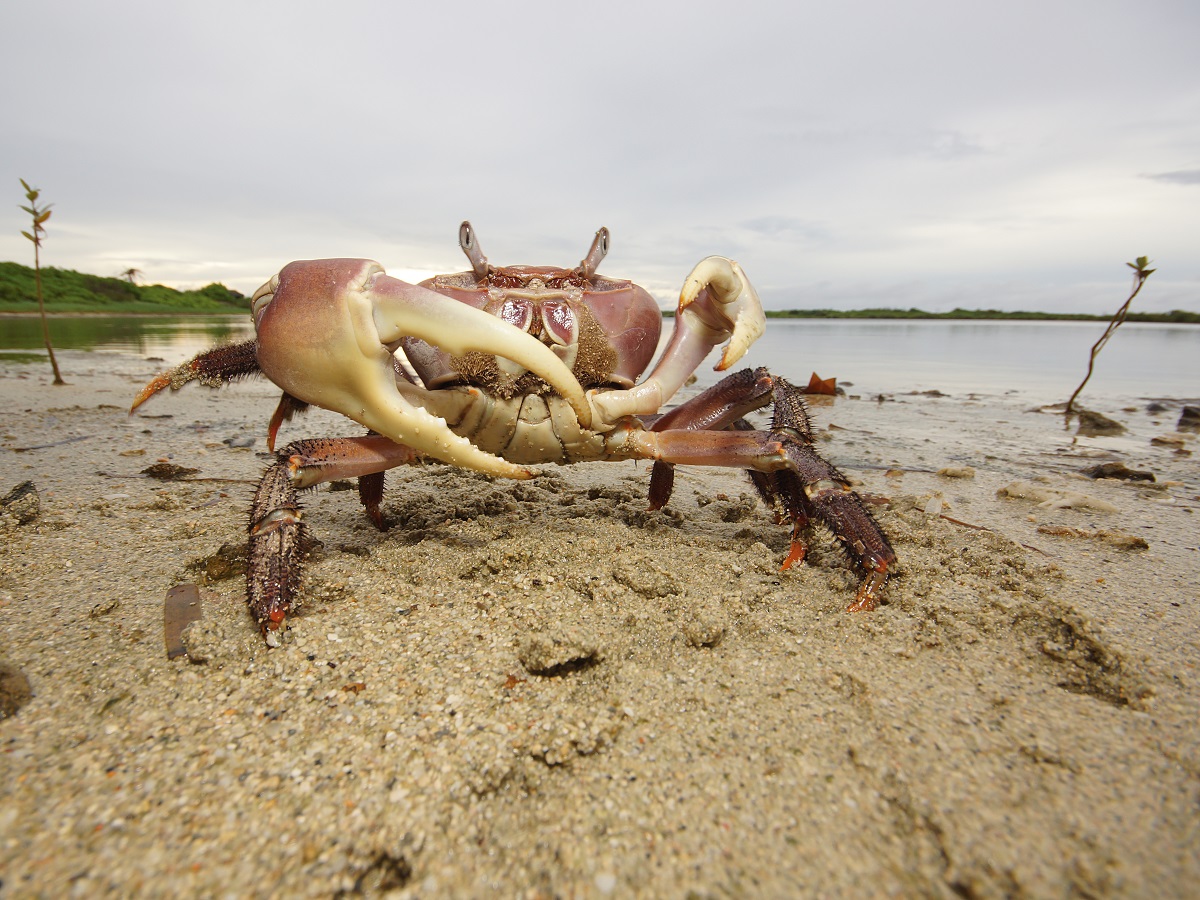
<point>1043,361</point>
<point>172,339</point>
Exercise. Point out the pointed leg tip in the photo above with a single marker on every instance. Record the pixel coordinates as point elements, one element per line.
<point>796,554</point>
<point>867,598</point>
<point>863,604</point>
<point>157,384</point>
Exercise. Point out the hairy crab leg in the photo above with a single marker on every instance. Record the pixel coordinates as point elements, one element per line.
<point>718,407</point>
<point>717,304</point>
<point>214,368</point>
<point>278,545</point>
<point>722,406</point>
<point>278,540</point>
<point>795,475</point>
<point>326,332</point>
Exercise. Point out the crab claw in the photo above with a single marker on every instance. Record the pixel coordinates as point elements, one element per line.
<point>720,296</point>
<point>717,303</point>
<point>327,330</point>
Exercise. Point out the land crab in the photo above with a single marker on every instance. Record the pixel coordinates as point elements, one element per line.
<point>505,367</point>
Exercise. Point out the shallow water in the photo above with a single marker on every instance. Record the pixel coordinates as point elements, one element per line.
<point>174,339</point>
<point>1043,361</point>
<point>1040,362</point>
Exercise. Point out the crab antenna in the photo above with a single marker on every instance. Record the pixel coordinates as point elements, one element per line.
<point>470,246</point>
<point>596,254</point>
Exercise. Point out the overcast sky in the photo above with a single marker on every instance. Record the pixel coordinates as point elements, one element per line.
<point>935,154</point>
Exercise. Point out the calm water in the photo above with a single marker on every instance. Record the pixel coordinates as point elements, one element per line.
<point>1039,361</point>
<point>172,339</point>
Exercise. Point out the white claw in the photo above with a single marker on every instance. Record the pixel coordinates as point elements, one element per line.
<point>401,309</point>
<point>324,332</point>
<point>737,311</point>
<point>717,303</point>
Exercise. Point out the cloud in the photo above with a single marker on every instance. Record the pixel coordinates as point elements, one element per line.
<point>1181,176</point>
<point>883,149</point>
<point>786,227</point>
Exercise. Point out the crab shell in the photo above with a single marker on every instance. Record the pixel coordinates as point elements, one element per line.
<point>606,330</point>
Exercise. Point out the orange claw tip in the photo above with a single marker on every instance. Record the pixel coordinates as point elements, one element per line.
<point>863,604</point>
<point>159,382</point>
<point>795,555</point>
<point>868,592</point>
<point>273,430</point>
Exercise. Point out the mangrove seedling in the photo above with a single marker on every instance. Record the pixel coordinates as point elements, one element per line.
<point>40,214</point>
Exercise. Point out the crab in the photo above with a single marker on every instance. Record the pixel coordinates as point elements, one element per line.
<point>507,367</point>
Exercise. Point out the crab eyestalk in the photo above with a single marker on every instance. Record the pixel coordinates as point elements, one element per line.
<point>595,255</point>
<point>470,246</point>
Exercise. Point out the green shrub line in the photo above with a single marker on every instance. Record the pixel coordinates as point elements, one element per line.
<point>68,291</point>
<point>1175,316</point>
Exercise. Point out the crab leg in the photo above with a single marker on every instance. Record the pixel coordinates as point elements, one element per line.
<point>717,303</point>
<point>718,407</point>
<point>214,368</point>
<point>785,468</point>
<point>326,332</point>
<point>315,461</point>
<point>278,542</point>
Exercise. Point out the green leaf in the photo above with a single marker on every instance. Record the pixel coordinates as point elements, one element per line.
<point>30,236</point>
<point>42,218</point>
<point>25,184</point>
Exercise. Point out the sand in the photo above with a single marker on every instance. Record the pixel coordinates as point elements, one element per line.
<point>541,689</point>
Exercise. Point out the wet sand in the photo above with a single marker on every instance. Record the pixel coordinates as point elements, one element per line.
<point>541,689</point>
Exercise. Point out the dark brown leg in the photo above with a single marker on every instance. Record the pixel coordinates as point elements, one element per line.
<point>278,546</point>
<point>784,465</point>
<point>278,539</point>
<point>720,406</point>
<point>288,407</point>
<point>370,493</point>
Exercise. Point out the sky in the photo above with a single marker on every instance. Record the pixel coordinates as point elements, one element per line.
<point>864,154</point>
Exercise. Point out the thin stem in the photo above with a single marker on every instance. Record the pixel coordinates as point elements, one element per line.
<point>37,275</point>
<point>1141,273</point>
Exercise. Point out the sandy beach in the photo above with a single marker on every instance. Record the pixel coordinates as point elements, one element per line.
<point>540,689</point>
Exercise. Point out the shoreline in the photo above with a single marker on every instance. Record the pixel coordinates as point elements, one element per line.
<point>101,314</point>
<point>1019,716</point>
<point>971,316</point>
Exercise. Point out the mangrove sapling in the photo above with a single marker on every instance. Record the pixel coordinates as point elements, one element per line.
<point>40,214</point>
<point>1140,274</point>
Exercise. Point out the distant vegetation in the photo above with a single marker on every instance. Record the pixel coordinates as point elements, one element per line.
<point>75,292</point>
<point>67,291</point>
<point>1175,315</point>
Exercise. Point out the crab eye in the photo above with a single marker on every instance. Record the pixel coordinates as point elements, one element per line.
<point>466,240</point>
<point>595,255</point>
